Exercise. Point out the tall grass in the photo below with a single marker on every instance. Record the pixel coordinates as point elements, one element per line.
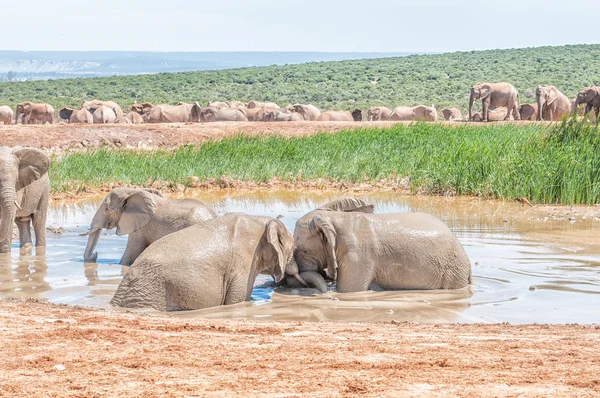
<point>547,164</point>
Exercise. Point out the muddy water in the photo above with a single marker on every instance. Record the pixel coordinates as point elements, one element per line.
<point>527,266</point>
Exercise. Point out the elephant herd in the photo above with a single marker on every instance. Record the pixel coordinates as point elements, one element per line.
<point>183,256</point>
<point>500,101</point>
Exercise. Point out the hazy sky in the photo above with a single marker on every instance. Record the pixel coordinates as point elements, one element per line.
<point>301,25</point>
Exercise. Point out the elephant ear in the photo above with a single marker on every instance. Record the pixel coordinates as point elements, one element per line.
<point>348,205</point>
<point>274,238</point>
<point>137,212</point>
<point>484,92</point>
<point>323,226</point>
<point>552,96</point>
<point>33,164</point>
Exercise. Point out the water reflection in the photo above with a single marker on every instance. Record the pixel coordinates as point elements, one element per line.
<point>527,267</point>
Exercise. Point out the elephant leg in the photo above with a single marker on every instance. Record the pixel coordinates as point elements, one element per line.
<point>237,291</point>
<point>516,114</point>
<point>24,232</point>
<point>485,111</point>
<point>39,228</point>
<point>354,274</point>
<point>136,244</point>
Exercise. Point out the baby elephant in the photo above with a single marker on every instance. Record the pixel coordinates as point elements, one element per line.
<point>209,264</point>
<point>365,251</point>
<point>146,216</point>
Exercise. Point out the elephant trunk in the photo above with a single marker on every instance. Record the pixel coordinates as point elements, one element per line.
<point>8,212</point>
<point>540,104</point>
<point>315,279</point>
<point>471,99</point>
<point>90,255</point>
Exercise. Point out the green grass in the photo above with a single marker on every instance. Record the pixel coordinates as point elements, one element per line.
<point>557,164</point>
<point>442,79</point>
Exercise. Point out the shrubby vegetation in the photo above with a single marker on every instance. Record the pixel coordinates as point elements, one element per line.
<point>547,164</point>
<point>443,80</point>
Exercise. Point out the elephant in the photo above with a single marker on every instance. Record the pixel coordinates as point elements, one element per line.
<point>309,112</point>
<point>31,113</point>
<point>419,112</point>
<point>363,251</point>
<point>357,115</point>
<point>95,104</point>
<point>528,111</point>
<point>335,116</point>
<point>24,193</point>
<point>476,117</point>
<point>123,120</point>
<point>494,95</point>
<point>218,105</point>
<point>554,104</point>
<point>279,116</point>
<point>6,115</point>
<point>146,216</point>
<point>236,105</point>
<point>379,113</point>
<point>208,265</point>
<point>182,113</point>
<point>222,115</point>
<point>255,104</point>
<point>589,96</point>
<point>495,115</point>
<point>103,114</point>
<point>76,116</point>
<point>451,114</point>
<point>260,114</point>
<point>130,118</point>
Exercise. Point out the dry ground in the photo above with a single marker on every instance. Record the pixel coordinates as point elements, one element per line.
<point>60,351</point>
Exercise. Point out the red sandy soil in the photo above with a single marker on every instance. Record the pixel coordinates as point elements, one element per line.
<point>60,351</point>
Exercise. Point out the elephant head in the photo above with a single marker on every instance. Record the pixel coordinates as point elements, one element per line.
<point>18,168</point>
<point>544,96</point>
<point>315,239</point>
<point>303,110</point>
<point>357,115</point>
<point>65,113</point>
<point>143,108</point>
<point>208,115</point>
<point>124,208</point>
<point>195,112</point>
<point>22,109</point>
<point>479,91</point>
<point>277,252</point>
<point>586,96</point>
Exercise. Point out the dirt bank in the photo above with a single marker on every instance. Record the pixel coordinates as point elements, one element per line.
<point>62,351</point>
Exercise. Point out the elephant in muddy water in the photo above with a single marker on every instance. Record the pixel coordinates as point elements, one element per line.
<point>222,115</point>
<point>554,105</point>
<point>451,114</point>
<point>30,113</point>
<point>378,113</point>
<point>24,193</point>
<point>419,112</point>
<point>363,251</point>
<point>309,112</point>
<point>95,104</point>
<point>528,111</point>
<point>209,264</point>
<point>495,95</point>
<point>6,115</point>
<point>589,96</point>
<point>146,216</point>
<point>76,116</point>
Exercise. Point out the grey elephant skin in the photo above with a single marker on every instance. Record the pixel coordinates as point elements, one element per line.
<point>492,96</point>
<point>363,251</point>
<point>24,193</point>
<point>146,216</point>
<point>207,265</point>
<point>6,115</point>
<point>554,104</point>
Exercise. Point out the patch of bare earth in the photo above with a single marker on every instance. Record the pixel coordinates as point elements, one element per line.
<point>60,351</point>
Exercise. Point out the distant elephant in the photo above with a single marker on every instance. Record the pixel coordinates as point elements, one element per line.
<point>222,115</point>
<point>130,118</point>
<point>309,112</point>
<point>146,216</point>
<point>451,114</point>
<point>76,116</point>
<point>236,105</point>
<point>255,104</point>
<point>208,265</point>
<point>103,114</point>
<point>95,104</point>
<point>528,111</point>
<point>494,95</point>
<point>379,113</point>
<point>30,113</point>
<point>363,251</point>
<point>552,102</point>
<point>589,96</point>
<point>419,112</point>
<point>260,113</point>
<point>279,116</point>
<point>24,194</point>
<point>123,120</point>
<point>6,115</point>
<point>335,116</point>
<point>182,113</point>
<point>357,115</point>
<point>218,105</point>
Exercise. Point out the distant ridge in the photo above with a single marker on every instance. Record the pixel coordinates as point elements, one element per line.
<point>43,65</point>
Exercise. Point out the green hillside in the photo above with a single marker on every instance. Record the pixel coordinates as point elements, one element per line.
<point>442,79</point>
